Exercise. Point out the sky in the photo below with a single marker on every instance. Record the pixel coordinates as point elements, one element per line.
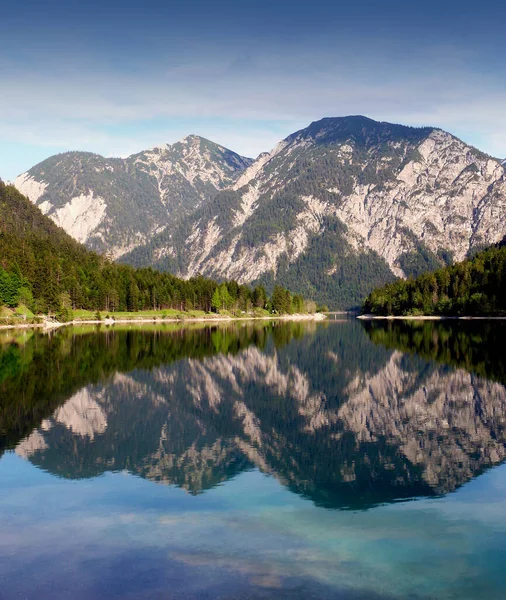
<point>118,77</point>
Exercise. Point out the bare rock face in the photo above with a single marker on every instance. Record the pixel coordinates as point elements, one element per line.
<point>447,426</point>
<point>429,188</point>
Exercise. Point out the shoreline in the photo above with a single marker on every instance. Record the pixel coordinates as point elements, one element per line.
<point>426,318</point>
<point>48,325</point>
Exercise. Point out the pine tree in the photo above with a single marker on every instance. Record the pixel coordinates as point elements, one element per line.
<point>226,298</point>
<point>216,300</point>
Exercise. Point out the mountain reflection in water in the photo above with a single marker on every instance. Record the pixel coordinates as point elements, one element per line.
<point>340,420</point>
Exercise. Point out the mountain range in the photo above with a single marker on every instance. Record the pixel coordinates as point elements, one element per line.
<point>332,211</point>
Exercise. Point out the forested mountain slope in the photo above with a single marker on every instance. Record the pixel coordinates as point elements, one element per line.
<point>336,209</point>
<point>475,286</point>
<point>44,268</point>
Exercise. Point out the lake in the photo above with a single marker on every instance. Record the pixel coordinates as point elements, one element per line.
<point>284,460</point>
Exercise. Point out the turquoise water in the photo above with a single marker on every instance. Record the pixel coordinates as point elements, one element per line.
<point>280,461</point>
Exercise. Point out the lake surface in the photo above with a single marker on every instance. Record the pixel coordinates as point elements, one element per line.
<point>334,460</point>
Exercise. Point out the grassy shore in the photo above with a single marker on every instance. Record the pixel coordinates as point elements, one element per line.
<point>87,315</point>
<point>11,319</point>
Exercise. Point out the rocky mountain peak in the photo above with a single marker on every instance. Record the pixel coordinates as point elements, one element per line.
<point>194,140</point>
<point>196,159</point>
<point>358,130</point>
<point>114,205</point>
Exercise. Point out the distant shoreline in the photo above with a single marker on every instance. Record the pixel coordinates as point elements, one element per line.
<point>49,324</point>
<point>426,318</point>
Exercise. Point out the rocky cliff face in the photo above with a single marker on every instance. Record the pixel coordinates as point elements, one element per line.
<point>446,424</point>
<point>115,205</point>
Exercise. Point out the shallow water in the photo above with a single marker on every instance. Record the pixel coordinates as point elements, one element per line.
<point>290,460</point>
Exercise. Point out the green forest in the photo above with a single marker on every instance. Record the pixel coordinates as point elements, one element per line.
<point>44,269</point>
<point>473,287</point>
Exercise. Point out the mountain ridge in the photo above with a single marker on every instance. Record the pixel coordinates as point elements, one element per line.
<point>47,271</point>
<point>114,204</point>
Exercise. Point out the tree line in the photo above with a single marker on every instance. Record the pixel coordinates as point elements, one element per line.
<point>45,269</point>
<point>475,286</point>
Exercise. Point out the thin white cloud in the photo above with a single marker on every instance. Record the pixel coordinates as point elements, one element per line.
<point>248,102</point>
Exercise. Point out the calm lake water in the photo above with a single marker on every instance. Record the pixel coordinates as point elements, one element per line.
<point>338,460</point>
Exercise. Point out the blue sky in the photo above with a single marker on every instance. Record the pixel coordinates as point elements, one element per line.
<point>117,77</point>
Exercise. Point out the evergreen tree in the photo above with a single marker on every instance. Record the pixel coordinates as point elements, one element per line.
<point>259,296</point>
<point>226,298</point>
<point>281,300</point>
<point>216,300</point>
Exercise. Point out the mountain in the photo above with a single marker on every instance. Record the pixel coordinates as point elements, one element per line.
<point>333,211</point>
<point>339,207</point>
<point>113,205</point>
<point>40,260</point>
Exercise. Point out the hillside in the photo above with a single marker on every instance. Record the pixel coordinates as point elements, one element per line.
<point>47,270</point>
<point>475,286</point>
<point>340,207</point>
<point>113,205</point>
